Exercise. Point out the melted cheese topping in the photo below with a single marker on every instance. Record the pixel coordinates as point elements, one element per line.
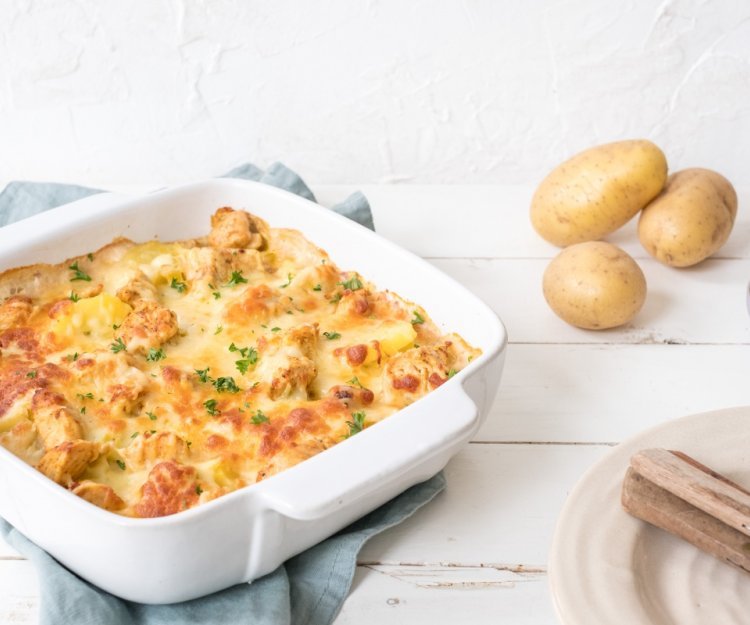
<point>150,377</point>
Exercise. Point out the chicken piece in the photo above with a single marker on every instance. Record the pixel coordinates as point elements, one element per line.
<point>68,461</point>
<point>138,289</point>
<point>15,311</point>
<point>216,265</point>
<point>99,494</point>
<point>415,372</point>
<point>112,378</point>
<point>170,488</point>
<point>149,325</point>
<point>151,448</point>
<point>237,229</point>
<point>54,420</point>
<point>22,441</point>
<point>288,361</point>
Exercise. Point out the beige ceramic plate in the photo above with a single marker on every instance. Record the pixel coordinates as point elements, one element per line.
<point>608,568</point>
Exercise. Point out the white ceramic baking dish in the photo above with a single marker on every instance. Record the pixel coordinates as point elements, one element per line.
<point>248,533</point>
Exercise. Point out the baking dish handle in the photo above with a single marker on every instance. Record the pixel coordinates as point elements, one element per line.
<point>405,449</point>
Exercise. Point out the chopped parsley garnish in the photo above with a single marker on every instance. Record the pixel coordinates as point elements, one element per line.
<point>31,374</point>
<point>417,318</point>
<point>289,278</point>
<point>452,372</point>
<point>249,357</point>
<point>357,424</point>
<point>335,299</point>
<point>216,294</point>
<point>154,355</point>
<point>73,297</point>
<point>237,278</point>
<point>178,285</point>
<point>317,287</point>
<point>332,336</point>
<point>259,418</point>
<point>353,283</point>
<point>151,415</point>
<point>78,274</point>
<point>203,374</point>
<point>72,357</point>
<point>218,330</point>
<point>226,385</point>
<point>134,434</point>
<point>83,409</point>
<point>355,382</point>
<point>210,406</point>
<point>198,490</point>
<point>120,464</point>
<point>276,329</point>
<point>118,346</point>
<point>115,326</point>
<point>90,256</point>
<point>85,396</point>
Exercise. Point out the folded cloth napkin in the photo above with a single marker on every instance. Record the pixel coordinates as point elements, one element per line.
<point>308,589</point>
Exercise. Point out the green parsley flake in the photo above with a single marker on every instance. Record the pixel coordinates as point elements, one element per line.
<point>210,406</point>
<point>203,374</point>
<point>120,464</point>
<point>151,416</point>
<point>73,297</point>
<point>259,418</point>
<point>317,287</point>
<point>154,355</point>
<point>118,346</point>
<point>226,385</point>
<point>353,283</point>
<point>355,382</point>
<point>332,336</point>
<point>417,318</point>
<point>357,424</point>
<point>31,374</point>
<point>289,278</point>
<point>237,278</point>
<point>78,274</point>
<point>178,285</point>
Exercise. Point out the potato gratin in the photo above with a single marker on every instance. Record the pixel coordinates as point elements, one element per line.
<point>150,377</point>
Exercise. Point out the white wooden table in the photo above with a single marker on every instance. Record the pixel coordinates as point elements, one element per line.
<point>478,553</point>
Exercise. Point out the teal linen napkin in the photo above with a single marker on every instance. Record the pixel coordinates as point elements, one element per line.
<point>308,589</point>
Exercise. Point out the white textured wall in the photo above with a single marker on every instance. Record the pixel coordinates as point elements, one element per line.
<point>165,91</point>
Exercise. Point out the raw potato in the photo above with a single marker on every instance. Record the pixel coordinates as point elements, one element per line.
<point>691,219</point>
<point>594,285</point>
<point>597,191</point>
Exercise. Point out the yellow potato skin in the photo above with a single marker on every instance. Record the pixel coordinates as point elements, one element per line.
<point>597,191</point>
<point>594,285</point>
<point>691,219</point>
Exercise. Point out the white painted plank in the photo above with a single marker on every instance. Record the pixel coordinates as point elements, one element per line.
<point>706,304</point>
<point>19,592</point>
<point>605,393</point>
<point>499,508</point>
<point>437,596</point>
<point>489,221</point>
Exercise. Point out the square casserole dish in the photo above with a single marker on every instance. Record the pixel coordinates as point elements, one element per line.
<point>247,533</point>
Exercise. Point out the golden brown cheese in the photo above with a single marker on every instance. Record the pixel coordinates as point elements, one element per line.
<point>150,377</point>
